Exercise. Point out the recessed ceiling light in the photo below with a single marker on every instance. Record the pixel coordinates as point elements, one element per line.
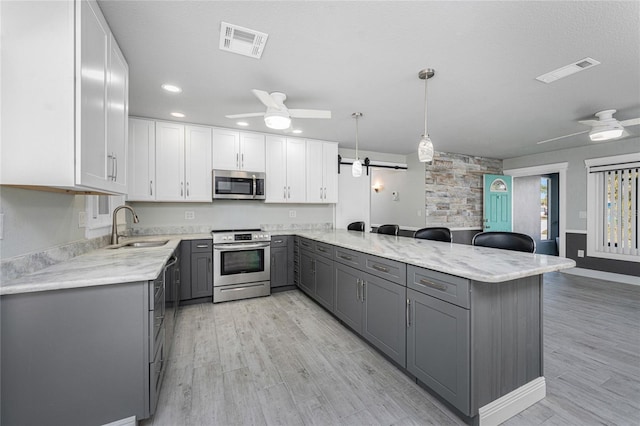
<point>171,88</point>
<point>296,131</point>
<point>178,114</point>
<point>242,123</point>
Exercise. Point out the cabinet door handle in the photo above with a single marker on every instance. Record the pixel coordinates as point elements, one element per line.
<point>187,189</point>
<point>358,289</point>
<point>363,283</point>
<point>202,245</point>
<point>345,257</point>
<point>150,187</point>
<point>325,193</point>
<point>288,192</point>
<point>237,161</point>
<point>115,167</point>
<point>209,265</point>
<point>433,285</point>
<point>380,268</point>
<point>408,313</point>
<point>285,192</point>
<point>242,163</point>
<point>181,189</point>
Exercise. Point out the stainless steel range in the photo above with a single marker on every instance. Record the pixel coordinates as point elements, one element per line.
<point>241,264</point>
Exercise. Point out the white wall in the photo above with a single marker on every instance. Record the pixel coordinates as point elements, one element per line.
<point>576,172</point>
<point>38,220</point>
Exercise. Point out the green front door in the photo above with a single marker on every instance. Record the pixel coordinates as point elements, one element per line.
<point>497,203</point>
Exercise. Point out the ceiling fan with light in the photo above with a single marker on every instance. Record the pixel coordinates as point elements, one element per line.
<point>278,116</point>
<point>605,128</point>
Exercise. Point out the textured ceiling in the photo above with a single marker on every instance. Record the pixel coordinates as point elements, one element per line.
<point>365,56</point>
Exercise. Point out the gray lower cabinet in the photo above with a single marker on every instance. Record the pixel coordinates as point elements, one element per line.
<point>438,347</point>
<point>94,354</point>
<point>316,278</point>
<point>196,270</point>
<point>281,261</point>
<point>374,308</point>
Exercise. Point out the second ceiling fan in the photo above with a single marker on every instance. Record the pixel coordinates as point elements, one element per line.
<point>603,129</point>
<point>278,116</point>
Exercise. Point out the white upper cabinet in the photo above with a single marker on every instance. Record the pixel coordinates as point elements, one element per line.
<point>197,156</point>
<point>233,150</point>
<point>285,170</point>
<point>142,160</point>
<point>68,91</point>
<point>322,172</point>
<point>170,185</point>
<point>169,161</point>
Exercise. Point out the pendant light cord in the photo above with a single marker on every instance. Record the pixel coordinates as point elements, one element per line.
<point>357,137</point>
<point>425,106</point>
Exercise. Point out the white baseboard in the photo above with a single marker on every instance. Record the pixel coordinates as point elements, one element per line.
<point>602,275</point>
<point>512,403</point>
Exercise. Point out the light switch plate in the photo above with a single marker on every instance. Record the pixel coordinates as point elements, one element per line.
<point>580,253</point>
<point>292,213</point>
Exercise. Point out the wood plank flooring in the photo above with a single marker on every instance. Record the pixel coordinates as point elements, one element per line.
<point>284,360</point>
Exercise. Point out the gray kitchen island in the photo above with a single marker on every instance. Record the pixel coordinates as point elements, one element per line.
<point>466,322</point>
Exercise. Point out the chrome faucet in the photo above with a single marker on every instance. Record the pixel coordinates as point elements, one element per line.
<point>114,226</point>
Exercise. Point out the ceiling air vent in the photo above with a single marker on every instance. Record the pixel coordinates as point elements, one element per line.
<point>567,70</point>
<point>242,41</point>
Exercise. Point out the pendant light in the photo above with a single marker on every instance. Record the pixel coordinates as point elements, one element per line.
<point>425,146</point>
<point>356,167</point>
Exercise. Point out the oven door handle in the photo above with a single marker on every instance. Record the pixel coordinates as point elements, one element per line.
<point>233,247</point>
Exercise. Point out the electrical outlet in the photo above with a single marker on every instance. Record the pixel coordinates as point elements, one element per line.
<point>292,213</point>
<point>189,215</point>
<point>82,219</point>
<point>580,253</point>
<point>419,212</point>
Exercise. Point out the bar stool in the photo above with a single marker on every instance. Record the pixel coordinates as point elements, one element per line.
<point>434,233</point>
<point>388,229</point>
<point>505,240</point>
<point>356,226</point>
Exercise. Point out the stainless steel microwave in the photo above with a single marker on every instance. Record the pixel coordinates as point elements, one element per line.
<point>238,185</point>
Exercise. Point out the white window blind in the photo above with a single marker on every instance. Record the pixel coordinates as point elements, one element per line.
<point>613,200</point>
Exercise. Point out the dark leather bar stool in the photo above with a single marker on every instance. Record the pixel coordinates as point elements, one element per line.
<point>388,229</point>
<point>505,240</point>
<point>434,234</point>
<point>356,226</point>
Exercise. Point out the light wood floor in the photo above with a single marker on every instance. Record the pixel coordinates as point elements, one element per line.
<point>284,360</point>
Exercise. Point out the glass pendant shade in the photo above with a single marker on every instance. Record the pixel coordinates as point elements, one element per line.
<point>425,149</point>
<point>356,168</point>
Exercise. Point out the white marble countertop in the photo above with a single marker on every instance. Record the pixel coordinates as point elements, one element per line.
<point>475,263</point>
<point>111,266</point>
<point>103,266</point>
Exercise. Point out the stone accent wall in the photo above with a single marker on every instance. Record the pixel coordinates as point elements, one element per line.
<point>453,189</point>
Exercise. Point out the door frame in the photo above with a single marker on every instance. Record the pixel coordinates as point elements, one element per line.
<point>561,169</point>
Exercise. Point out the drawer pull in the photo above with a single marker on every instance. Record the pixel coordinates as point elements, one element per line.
<point>345,257</point>
<point>277,241</point>
<point>322,250</point>
<point>432,284</point>
<point>202,245</point>
<point>380,268</point>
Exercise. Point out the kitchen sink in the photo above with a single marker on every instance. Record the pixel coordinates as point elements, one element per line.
<point>141,244</point>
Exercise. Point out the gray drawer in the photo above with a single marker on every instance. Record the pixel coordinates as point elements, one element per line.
<point>306,244</point>
<point>280,241</point>
<point>445,287</point>
<point>201,246</point>
<point>386,268</point>
<point>323,249</point>
<point>349,257</point>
